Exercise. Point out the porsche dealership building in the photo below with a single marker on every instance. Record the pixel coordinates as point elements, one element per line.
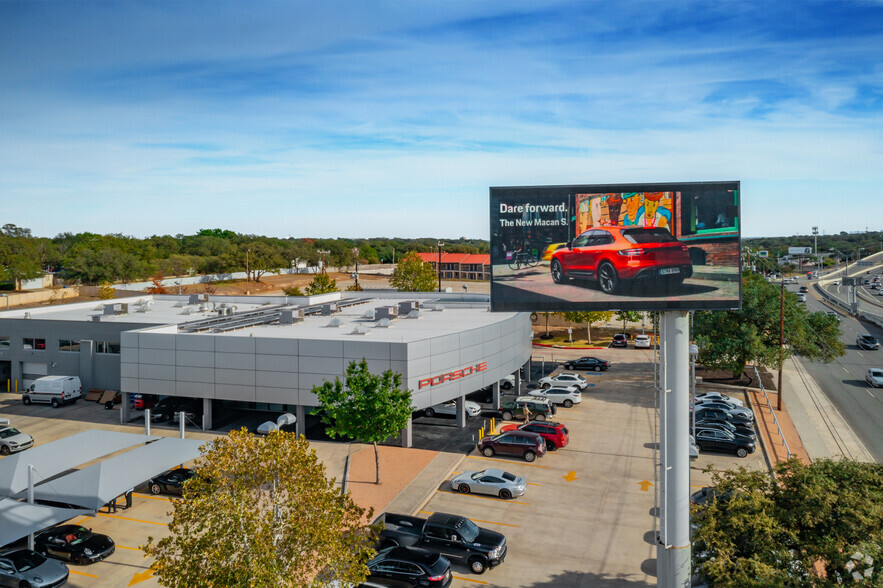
<point>267,352</point>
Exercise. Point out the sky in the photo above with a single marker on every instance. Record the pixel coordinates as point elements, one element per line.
<point>393,119</point>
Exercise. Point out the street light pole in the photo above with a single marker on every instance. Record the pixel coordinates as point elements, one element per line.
<point>815,233</point>
<point>781,342</point>
<point>440,245</point>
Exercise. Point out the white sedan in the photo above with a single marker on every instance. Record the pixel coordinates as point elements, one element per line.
<point>642,341</point>
<point>566,397</point>
<point>717,396</point>
<point>874,377</point>
<point>450,409</point>
<point>564,381</point>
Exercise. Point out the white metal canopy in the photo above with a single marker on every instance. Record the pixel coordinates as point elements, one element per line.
<point>19,519</point>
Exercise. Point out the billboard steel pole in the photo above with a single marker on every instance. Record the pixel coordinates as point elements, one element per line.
<point>673,549</point>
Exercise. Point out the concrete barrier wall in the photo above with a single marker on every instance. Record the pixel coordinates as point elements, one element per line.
<point>38,296</point>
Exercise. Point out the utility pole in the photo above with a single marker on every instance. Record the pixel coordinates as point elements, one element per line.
<point>440,245</point>
<point>781,342</point>
<point>247,273</point>
<point>323,253</point>
<point>815,234</point>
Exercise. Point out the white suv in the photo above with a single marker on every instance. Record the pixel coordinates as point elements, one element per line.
<point>564,381</point>
<point>566,397</point>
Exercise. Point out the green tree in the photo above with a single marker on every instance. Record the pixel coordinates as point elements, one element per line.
<point>264,256</point>
<point>771,531</point>
<point>589,318</point>
<point>260,511</point>
<point>106,291</point>
<point>321,284</point>
<point>752,333</point>
<point>412,274</point>
<point>20,255</point>
<point>628,316</point>
<point>366,407</point>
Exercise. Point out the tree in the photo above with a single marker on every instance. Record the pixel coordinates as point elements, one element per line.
<point>106,291</point>
<point>367,407</point>
<point>293,291</point>
<point>260,511</point>
<point>752,334</point>
<point>158,287</point>
<point>761,530</point>
<point>321,284</point>
<point>264,256</point>
<point>627,316</point>
<point>412,274</point>
<point>589,318</point>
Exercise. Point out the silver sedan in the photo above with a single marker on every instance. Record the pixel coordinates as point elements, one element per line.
<point>491,481</point>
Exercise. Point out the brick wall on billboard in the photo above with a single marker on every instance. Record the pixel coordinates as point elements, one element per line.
<point>717,253</point>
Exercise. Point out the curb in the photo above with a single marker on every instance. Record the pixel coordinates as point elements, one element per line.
<point>421,500</point>
<point>550,346</point>
<point>766,454</point>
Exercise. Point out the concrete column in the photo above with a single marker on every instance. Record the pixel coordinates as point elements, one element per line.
<point>673,552</point>
<point>124,408</point>
<point>517,387</point>
<point>86,357</point>
<point>406,437</point>
<point>300,427</point>
<point>526,367</point>
<point>207,414</point>
<point>496,396</point>
<point>461,411</point>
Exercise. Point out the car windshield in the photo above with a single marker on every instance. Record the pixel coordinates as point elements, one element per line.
<point>478,475</point>
<point>876,373</point>
<point>25,560</point>
<point>869,339</point>
<point>79,535</point>
<point>640,236</point>
<point>468,530</point>
<point>10,432</point>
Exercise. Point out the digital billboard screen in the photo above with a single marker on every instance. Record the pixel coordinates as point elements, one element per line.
<point>665,246</point>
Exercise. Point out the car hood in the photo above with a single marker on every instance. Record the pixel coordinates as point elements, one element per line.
<point>19,439</point>
<point>49,572</point>
<point>489,538</point>
<point>97,543</point>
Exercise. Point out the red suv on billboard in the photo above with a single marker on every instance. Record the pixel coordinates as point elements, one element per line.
<point>611,255</point>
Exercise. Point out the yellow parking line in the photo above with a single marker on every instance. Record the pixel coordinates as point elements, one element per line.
<point>153,497</point>
<point>506,461</point>
<point>101,514</point>
<point>485,497</point>
<point>533,484</point>
<point>473,580</point>
<point>124,547</point>
<point>477,520</point>
<point>82,573</point>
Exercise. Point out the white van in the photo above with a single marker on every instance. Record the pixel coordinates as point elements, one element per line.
<point>55,390</point>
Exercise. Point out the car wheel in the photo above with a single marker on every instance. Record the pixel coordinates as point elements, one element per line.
<point>24,584</point>
<point>478,565</point>
<point>505,494</point>
<point>607,278</point>
<point>550,446</point>
<point>540,417</point>
<point>507,416</point>
<point>26,399</point>
<point>568,366</point>
<point>529,456</point>
<point>558,273</point>
<point>155,488</point>
<point>742,452</point>
<point>4,450</point>
<point>55,403</point>
<point>506,385</point>
<point>546,385</point>
<point>488,452</point>
<point>429,412</point>
<point>463,488</point>
<point>597,368</point>
<point>567,403</point>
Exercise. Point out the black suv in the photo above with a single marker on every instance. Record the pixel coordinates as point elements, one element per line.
<point>587,363</point>
<point>540,408</point>
<point>410,566</point>
<point>867,342</point>
<point>620,340</point>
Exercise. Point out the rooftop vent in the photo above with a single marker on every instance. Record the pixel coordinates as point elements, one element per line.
<point>96,318</point>
<point>334,323</point>
<point>438,308</point>
<point>383,323</point>
<point>414,314</point>
<point>359,330</point>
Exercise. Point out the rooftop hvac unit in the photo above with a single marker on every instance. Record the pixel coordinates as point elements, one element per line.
<point>407,306</point>
<point>329,308</point>
<point>109,309</point>
<point>385,312</point>
<point>123,308</point>
<point>334,323</point>
<point>193,299</point>
<point>286,317</point>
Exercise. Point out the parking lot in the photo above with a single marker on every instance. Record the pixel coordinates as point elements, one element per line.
<point>587,518</point>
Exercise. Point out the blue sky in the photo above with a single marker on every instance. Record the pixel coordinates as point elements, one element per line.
<point>367,119</point>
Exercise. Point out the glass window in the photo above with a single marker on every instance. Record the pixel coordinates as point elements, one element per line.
<point>69,345</point>
<point>107,347</point>
<point>4,342</point>
<point>30,343</point>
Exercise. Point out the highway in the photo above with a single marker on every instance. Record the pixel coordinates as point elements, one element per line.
<point>843,380</point>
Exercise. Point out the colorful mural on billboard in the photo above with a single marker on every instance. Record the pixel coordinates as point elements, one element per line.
<point>645,209</point>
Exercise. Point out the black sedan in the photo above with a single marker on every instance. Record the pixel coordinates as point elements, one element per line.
<point>710,440</point>
<point>409,566</point>
<point>74,544</point>
<point>720,413</point>
<point>738,436</point>
<point>587,363</point>
<point>170,482</point>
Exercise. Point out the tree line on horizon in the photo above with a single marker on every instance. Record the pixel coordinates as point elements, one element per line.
<point>91,259</point>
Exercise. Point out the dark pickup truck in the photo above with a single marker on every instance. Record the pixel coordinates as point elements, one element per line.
<point>455,537</point>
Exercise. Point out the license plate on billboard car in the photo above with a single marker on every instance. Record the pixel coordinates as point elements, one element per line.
<point>669,270</point>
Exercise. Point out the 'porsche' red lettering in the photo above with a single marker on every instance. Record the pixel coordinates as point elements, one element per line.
<point>454,375</point>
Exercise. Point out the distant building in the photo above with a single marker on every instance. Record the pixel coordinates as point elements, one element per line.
<point>460,266</point>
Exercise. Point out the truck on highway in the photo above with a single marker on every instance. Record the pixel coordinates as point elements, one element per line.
<point>454,536</point>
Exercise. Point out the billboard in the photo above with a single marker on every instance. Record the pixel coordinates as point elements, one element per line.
<point>672,246</point>
<point>800,251</point>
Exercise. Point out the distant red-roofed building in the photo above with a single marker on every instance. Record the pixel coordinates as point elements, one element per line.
<point>460,266</point>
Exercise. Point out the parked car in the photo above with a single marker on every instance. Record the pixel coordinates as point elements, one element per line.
<point>566,397</point>
<point>409,566</point>
<point>587,363</point>
<point>564,381</point>
<point>706,426</point>
<point>452,535</point>
<point>731,426</point>
<point>507,382</point>
<point>143,401</point>
<point>490,481</point>
<point>74,543</point>
<point>705,413</point>
<point>620,340</point>
<point>613,255</point>
<point>718,396</point>
<point>874,377</point>
<point>167,408</point>
<point>518,443</point>
<point>450,409</point>
<point>540,408</point>
<point>13,440</point>
<point>555,434</point>
<point>801,298</point>
<point>170,482</point>
<point>867,341</point>
<point>745,413</point>
<point>642,341</point>
<point>709,440</point>
<point>26,568</point>
<point>694,449</point>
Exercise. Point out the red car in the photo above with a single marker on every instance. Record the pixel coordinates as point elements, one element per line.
<point>611,255</point>
<point>555,434</point>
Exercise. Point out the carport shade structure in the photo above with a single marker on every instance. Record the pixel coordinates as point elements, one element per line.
<point>96,485</point>
<point>19,519</point>
<point>60,456</point>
